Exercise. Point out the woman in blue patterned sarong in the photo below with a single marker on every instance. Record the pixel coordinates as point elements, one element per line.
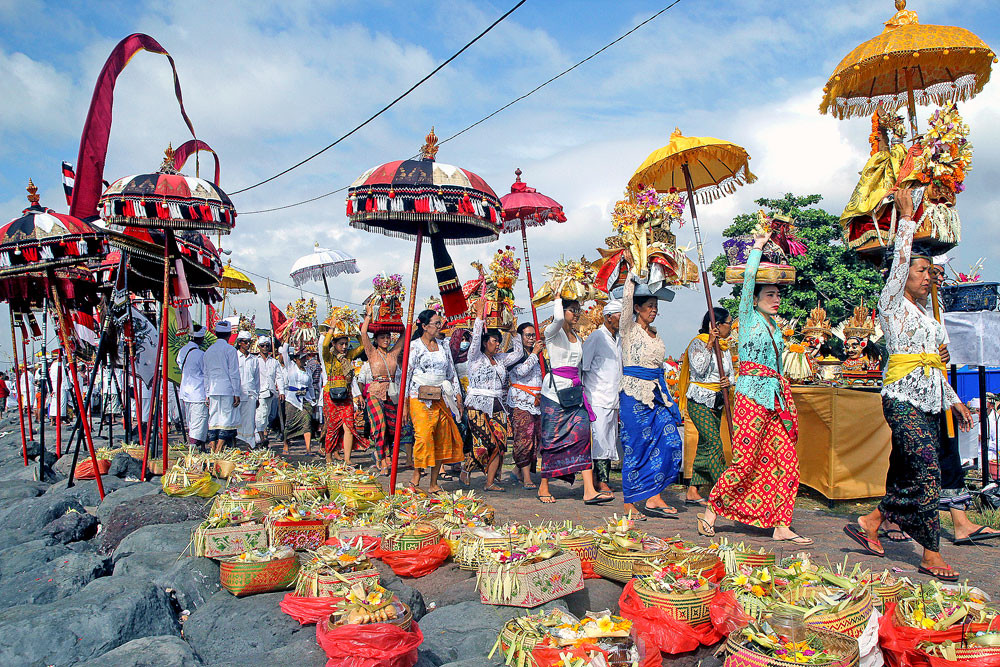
<point>650,441</point>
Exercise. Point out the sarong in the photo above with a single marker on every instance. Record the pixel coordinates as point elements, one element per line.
<point>565,442</point>
<point>248,413</point>
<point>651,447</point>
<point>222,416</point>
<point>337,415</point>
<point>382,417</point>
<point>709,459</point>
<point>527,431</point>
<point>262,417</point>
<point>913,482</point>
<point>196,414</point>
<point>604,434</point>
<point>297,422</point>
<point>759,486</point>
<point>489,438</point>
<point>436,437</point>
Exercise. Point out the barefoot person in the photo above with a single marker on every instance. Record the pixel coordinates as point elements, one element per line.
<point>295,391</point>
<point>759,486</point>
<point>383,390</point>
<point>914,394</point>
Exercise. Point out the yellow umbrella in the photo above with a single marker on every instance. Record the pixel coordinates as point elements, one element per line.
<point>905,64</point>
<point>707,168</point>
<point>236,281</point>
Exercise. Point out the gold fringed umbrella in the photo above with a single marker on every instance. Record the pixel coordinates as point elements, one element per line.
<point>906,64</point>
<point>236,281</point>
<point>707,168</point>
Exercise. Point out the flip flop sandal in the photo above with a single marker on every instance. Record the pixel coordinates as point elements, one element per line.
<point>941,575</point>
<point>599,499</point>
<point>853,531</point>
<point>495,488</point>
<point>708,530</point>
<point>529,487</point>
<point>657,512</point>
<point>797,540</point>
<point>979,536</point>
<point>700,501</point>
<point>542,500</point>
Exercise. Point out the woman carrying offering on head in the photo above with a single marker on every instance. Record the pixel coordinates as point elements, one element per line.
<point>914,395</point>
<point>434,401</point>
<point>703,398</point>
<point>759,486</point>
<point>383,390</point>
<point>566,415</point>
<point>650,442</point>
<point>338,404</point>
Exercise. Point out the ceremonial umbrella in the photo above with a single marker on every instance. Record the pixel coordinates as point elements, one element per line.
<point>43,257</point>
<point>907,63</point>
<point>708,169</point>
<point>321,264</point>
<point>525,207</point>
<point>410,198</point>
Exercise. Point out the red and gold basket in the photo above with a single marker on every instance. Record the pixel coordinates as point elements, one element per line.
<point>276,488</point>
<point>584,546</point>
<point>850,621</point>
<point>299,535</point>
<point>844,648</point>
<point>229,540</point>
<point>885,594</point>
<point>415,536</point>
<point>753,559</point>
<point>242,578</point>
<point>688,607</point>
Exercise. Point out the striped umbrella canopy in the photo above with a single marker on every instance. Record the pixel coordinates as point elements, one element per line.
<point>167,199</point>
<point>202,265</point>
<point>42,239</point>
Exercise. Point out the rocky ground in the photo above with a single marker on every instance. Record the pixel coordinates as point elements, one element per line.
<point>91,582</point>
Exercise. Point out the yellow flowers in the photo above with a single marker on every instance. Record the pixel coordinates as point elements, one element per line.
<point>741,580</point>
<point>765,576</point>
<point>758,591</point>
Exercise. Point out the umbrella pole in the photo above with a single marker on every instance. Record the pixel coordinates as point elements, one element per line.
<point>531,293</point>
<point>165,344</point>
<point>708,289</point>
<point>17,385</point>
<point>911,105</point>
<point>58,398</point>
<point>28,390</point>
<point>329,301</point>
<point>64,340</point>
<point>406,361</point>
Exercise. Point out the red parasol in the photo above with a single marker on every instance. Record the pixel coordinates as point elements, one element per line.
<point>526,207</point>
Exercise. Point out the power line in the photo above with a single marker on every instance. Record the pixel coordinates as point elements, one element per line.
<point>387,106</point>
<point>484,118</point>
<point>305,291</point>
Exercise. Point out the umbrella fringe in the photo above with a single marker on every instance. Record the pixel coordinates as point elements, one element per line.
<point>371,221</point>
<point>727,186</point>
<point>721,152</point>
<point>315,273</point>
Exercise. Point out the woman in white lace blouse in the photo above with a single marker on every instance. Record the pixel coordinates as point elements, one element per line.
<point>524,373</point>
<point>915,394</point>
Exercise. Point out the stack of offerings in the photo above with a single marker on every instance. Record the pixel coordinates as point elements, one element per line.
<point>455,513</point>
<point>527,576</point>
<point>474,543</point>
<point>497,287</point>
<point>229,534</point>
<point>620,546</point>
<point>774,268</point>
<point>387,303</point>
<point>295,525</point>
<point>532,639</point>
<point>331,566</point>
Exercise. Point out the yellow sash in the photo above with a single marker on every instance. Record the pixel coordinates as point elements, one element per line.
<point>684,378</point>
<point>901,365</point>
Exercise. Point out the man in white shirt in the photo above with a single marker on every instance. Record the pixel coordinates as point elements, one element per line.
<point>602,373</point>
<point>224,388</point>
<point>191,359</point>
<point>59,389</point>
<point>269,370</point>
<point>249,386</point>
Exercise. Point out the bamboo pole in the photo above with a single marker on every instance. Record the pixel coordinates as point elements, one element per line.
<point>406,360</point>
<point>28,390</point>
<point>60,369</point>
<point>42,387</point>
<point>165,346</point>
<point>17,386</point>
<point>531,294</point>
<point>708,290</point>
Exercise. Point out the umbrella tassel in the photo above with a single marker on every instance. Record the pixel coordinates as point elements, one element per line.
<point>350,206</point>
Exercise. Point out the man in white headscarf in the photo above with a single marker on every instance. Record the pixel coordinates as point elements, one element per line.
<point>269,370</point>
<point>223,384</point>
<point>192,393</point>
<point>602,373</point>
<point>249,388</point>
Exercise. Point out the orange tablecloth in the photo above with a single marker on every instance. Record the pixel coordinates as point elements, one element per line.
<point>843,445</point>
<point>844,442</point>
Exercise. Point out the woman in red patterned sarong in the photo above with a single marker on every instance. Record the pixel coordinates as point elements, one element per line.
<point>383,390</point>
<point>759,486</point>
<point>338,404</point>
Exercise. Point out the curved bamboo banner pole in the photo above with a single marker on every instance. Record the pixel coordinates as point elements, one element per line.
<point>17,387</point>
<point>531,294</point>
<point>708,289</point>
<point>406,360</point>
<point>71,358</point>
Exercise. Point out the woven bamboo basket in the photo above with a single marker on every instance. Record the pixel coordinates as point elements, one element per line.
<point>850,621</point>
<point>249,578</point>
<point>256,506</point>
<point>690,608</point>
<point>844,648</point>
<point>508,636</point>
<point>135,452</point>
<point>888,593</point>
<point>247,475</point>
<point>754,560</point>
<point>322,583</point>
<point>228,541</point>
<point>964,653</point>
<point>694,562</point>
<point>307,492</point>
<point>472,548</point>
<point>617,566</point>
<point>585,547</point>
<point>369,491</point>
<point>423,535</point>
<point>353,533</point>
<point>299,535</point>
<point>280,488</point>
<point>404,617</point>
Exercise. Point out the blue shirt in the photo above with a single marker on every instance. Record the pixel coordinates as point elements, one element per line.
<point>756,339</point>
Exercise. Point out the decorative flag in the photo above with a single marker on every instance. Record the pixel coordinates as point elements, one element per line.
<point>278,320</point>
<point>68,177</point>
<point>448,284</point>
<point>211,317</point>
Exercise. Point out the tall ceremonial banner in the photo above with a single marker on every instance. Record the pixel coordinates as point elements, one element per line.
<point>146,341</point>
<point>175,343</point>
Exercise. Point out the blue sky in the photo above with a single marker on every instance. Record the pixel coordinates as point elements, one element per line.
<point>268,83</point>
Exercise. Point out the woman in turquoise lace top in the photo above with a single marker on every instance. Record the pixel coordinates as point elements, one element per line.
<point>759,486</point>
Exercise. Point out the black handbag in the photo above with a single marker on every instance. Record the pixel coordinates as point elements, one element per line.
<point>339,393</point>
<point>570,397</point>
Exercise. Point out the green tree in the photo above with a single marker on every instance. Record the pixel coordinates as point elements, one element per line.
<point>830,273</point>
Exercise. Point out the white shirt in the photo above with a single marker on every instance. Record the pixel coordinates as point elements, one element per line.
<point>561,353</point>
<point>249,375</point>
<point>294,380</point>
<point>222,370</point>
<point>602,368</point>
<point>527,373</point>
<point>486,378</point>
<point>191,359</point>
<point>270,368</point>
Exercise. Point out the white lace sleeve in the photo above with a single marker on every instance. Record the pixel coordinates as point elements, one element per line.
<point>700,358</point>
<point>892,294</point>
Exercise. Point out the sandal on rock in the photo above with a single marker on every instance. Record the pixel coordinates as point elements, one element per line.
<point>704,527</point>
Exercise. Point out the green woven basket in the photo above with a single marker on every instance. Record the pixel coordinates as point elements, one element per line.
<point>690,608</point>
<point>844,648</point>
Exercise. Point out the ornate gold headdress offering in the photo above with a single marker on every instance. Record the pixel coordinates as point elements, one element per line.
<point>817,324</point>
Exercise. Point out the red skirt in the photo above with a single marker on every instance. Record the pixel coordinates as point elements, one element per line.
<point>337,415</point>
